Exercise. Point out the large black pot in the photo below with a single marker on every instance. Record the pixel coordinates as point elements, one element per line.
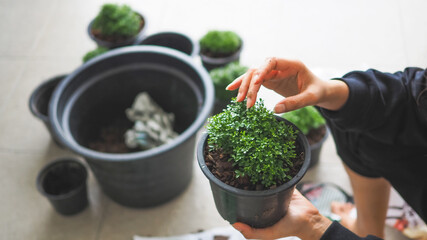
<point>258,209</point>
<point>40,99</point>
<point>172,40</point>
<point>97,94</point>
<point>127,42</point>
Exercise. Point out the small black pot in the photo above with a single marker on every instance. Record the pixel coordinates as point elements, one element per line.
<point>316,148</point>
<point>258,209</point>
<point>63,183</point>
<point>39,102</point>
<point>172,40</point>
<point>110,45</point>
<point>211,63</point>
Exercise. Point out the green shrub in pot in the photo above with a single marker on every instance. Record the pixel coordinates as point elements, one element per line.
<point>313,126</point>
<point>221,78</point>
<point>91,54</point>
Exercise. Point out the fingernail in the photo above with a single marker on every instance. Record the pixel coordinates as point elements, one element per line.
<point>226,88</point>
<point>238,96</point>
<point>279,108</point>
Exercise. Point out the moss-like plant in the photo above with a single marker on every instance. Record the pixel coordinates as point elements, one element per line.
<point>220,43</point>
<point>98,51</point>
<point>261,147</point>
<point>222,77</point>
<point>117,21</point>
<point>305,118</point>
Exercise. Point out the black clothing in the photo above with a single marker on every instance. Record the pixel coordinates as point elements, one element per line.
<point>381,131</point>
<point>338,232</point>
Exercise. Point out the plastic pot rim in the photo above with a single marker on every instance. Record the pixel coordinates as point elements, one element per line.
<point>195,45</point>
<point>221,60</point>
<point>68,141</point>
<point>46,168</point>
<point>249,193</point>
<point>36,94</point>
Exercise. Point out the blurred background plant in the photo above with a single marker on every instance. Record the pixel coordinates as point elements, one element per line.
<point>217,43</point>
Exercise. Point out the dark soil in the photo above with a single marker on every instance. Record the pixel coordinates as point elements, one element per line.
<point>114,39</point>
<point>217,237</point>
<point>316,135</point>
<point>111,140</point>
<point>223,169</point>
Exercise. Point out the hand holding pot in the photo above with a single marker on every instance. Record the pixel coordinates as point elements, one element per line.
<point>293,80</point>
<point>302,220</point>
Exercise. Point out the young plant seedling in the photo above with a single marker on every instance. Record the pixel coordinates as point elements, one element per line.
<point>220,43</point>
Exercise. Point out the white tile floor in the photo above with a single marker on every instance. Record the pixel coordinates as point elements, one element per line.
<point>44,38</point>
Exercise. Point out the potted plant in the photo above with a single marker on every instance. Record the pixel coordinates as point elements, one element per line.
<point>116,26</point>
<point>88,108</point>
<point>174,40</point>
<point>221,78</point>
<point>96,52</point>
<point>313,126</point>
<point>253,160</point>
<point>218,48</point>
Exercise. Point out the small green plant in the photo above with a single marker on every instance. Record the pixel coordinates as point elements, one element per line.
<point>220,43</point>
<point>94,53</point>
<point>261,147</point>
<point>305,118</point>
<point>221,77</point>
<point>117,21</point>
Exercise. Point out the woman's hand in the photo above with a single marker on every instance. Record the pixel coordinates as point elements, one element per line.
<point>302,220</point>
<point>293,80</point>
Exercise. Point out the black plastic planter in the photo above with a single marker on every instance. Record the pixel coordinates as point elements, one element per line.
<point>97,94</point>
<point>63,183</point>
<point>316,148</point>
<point>39,102</point>
<point>172,40</point>
<point>126,42</point>
<point>258,209</point>
<point>210,63</point>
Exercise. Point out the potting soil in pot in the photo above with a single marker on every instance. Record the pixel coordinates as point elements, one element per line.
<point>153,126</point>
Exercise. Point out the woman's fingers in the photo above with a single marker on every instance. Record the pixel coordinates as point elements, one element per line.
<point>295,102</point>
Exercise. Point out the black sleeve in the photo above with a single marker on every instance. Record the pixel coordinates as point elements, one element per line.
<point>381,103</point>
<point>337,232</point>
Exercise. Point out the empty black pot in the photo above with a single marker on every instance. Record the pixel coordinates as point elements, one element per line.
<point>172,40</point>
<point>258,209</point>
<point>96,95</point>
<point>126,42</point>
<point>63,183</point>
<point>39,102</point>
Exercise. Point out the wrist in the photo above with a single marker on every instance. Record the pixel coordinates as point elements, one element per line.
<point>316,226</point>
<point>335,95</point>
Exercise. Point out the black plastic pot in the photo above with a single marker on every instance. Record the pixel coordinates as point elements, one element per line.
<point>258,209</point>
<point>97,94</point>
<point>172,40</point>
<point>63,183</point>
<point>316,148</point>
<point>39,102</point>
<point>210,63</point>
<point>130,41</point>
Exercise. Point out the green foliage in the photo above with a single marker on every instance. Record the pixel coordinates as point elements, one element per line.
<point>305,119</point>
<point>94,53</point>
<point>219,43</point>
<point>117,21</point>
<point>262,147</point>
<point>221,77</point>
